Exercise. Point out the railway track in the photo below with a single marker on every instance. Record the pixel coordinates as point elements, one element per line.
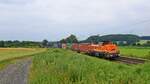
<point>126,60</point>
<point>130,60</point>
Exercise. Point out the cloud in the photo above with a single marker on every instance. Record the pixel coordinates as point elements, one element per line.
<point>38,19</point>
<point>15,2</point>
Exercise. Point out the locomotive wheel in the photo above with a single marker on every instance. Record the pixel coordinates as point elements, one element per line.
<point>101,55</point>
<point>106,56</point>
<point>78,51</point>
<point>97,54</point>
<point>92,54</point>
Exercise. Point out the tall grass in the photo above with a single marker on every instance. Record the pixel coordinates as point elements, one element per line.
<point>58,66</point>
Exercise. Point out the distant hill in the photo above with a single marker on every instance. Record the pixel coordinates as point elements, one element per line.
<point>145,37</point>
<point>128,38</point>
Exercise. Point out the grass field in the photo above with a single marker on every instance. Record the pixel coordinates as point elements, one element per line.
<point>58,66</point>
<point>143,41</point>
<point>141,52</point>
<point>7,54</point>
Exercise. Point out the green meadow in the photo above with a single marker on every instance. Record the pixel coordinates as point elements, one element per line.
<point>9,54</point>
<point>140,52</point>
<point>57,66</point>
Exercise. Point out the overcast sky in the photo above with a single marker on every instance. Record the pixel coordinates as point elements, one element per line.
<point>56,19</point>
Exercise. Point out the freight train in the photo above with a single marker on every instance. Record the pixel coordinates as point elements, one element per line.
<point>105,50</point>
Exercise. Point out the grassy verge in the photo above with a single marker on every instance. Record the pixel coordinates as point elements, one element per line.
<point>58,66</point>
<point>141,52</point>
<point>8,55</point>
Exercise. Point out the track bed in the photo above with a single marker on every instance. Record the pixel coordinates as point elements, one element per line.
<point>129,60</point>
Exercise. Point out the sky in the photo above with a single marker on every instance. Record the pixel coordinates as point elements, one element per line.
<point>56,19</point>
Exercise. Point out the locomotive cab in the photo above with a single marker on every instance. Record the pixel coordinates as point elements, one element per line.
<point>111,50</point>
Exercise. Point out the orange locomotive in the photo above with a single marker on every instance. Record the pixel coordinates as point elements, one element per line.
<point>105,50</point>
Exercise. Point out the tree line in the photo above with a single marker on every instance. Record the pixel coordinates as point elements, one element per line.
<point>120,39</point>
<point>16,43</point>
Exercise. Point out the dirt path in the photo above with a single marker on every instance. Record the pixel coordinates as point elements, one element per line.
<point>16,73</point>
